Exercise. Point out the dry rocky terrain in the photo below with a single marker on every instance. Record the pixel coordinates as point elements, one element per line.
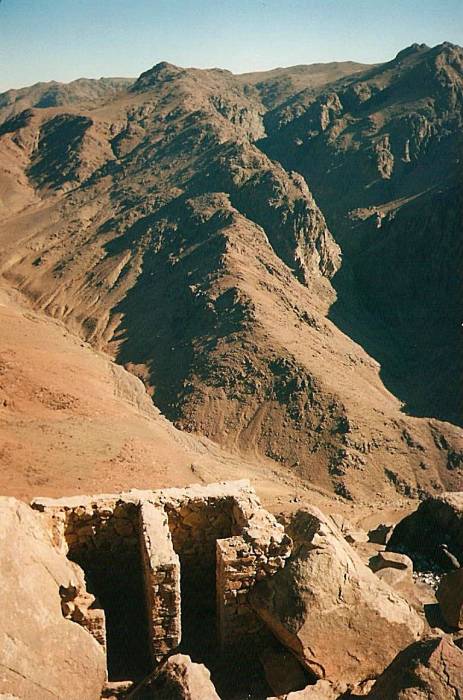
<point>148,219</point>
<point>209,277</point>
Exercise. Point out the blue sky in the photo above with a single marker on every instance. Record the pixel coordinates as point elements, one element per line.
<point>66,39</point>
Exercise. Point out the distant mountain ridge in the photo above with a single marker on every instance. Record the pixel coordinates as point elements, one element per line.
<point>83,91</point>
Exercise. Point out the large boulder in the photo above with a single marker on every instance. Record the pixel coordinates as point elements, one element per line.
<point>433,532</point>
<point>42,655</point>
<point>431,669</point>
<point>394,569</point>
<point>391,560</point>
<point>450,597</point>
<point>181,679</point>
<point>330,609</point>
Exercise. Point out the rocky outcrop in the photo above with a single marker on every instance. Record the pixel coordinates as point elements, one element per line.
<point>450,597</point>
<point>431,669</point>
<point>391,560</point>
<point>434,531</point>
<point>283,205</point>
<point>42,654</point>
<point>53,94</point>
<point>181,679</point>
<point>330,610</point>
<point>351,534</point>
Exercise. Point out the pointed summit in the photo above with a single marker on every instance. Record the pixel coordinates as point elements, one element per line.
<point>161,72</point>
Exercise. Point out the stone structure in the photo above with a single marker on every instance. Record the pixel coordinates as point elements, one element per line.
<point>214,540</point>
<point>161,567</point>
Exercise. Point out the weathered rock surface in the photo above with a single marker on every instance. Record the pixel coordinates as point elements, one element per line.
<point>450,597</point>
<point>321,690</point>
<point>391,560</point>
<point>330,610</point>
<point>431,669</point>
<point>433,531</point>
<point>394,569</point>
<point>181,679</point>
<point>42,655</point>
<point>353,535</point>
<point>397,579</point>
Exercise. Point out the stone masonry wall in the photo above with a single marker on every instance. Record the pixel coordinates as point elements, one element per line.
<point>242,560</point>
<point>80,606</point>
<point>222,536</point>
<point>195,526</point>
<point>161,568</point>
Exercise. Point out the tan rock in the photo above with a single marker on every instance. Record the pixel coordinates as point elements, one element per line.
<point>321,690</point>
<point>431,669</point>
<point>391,560</point>
<point>367,550</point>
<point>394,569</point>
<point>396,578</point>
<point>42,655</point>
<point>334,614</point>
<point>181,679</point>
<point>450,597</point>
<point>356,536</point>
<point>352,534</point>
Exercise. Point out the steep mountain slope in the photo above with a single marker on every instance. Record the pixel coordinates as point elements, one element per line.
<point>72,421</point>
<point>155,228</point>
<point>382,154</point>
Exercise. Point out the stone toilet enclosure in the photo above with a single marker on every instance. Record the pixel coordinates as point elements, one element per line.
<point>174,536</point>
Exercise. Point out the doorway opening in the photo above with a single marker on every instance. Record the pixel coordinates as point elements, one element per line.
<point>109,553</point>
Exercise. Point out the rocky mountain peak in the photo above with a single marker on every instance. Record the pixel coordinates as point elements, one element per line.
<point>411,50</point>
<point>161,72</point>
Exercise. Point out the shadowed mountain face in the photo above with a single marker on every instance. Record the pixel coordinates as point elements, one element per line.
<point>382,154</point>
<point>170,223</point>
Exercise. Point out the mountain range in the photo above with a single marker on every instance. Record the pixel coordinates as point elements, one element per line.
<point>270,262</point>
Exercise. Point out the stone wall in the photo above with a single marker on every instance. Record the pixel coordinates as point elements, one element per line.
<point>195,526</point>
<point>216,539</point>
<point>161,569</point>
<point>242,560</point>
<point>80,606</point>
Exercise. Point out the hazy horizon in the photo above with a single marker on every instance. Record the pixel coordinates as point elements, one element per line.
<point>43,41</point>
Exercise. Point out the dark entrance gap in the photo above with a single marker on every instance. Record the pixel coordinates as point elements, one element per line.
<point>116,580</point>
<point>237,673</point>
